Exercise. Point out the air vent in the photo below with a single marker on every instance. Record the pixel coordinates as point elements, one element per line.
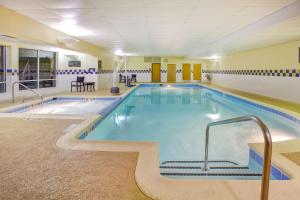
<point>147,59</point>
<point>156,59</point>
<point>152,59</point>
<point>165,60</point>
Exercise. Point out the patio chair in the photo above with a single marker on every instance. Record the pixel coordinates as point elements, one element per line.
<point>133,78</point>
<point>79,83</point>
<point>122,79</point>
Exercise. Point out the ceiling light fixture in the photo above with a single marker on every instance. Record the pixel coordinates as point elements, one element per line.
<point>215,56</point>
<point>119,52</point>
<point>70,27</point>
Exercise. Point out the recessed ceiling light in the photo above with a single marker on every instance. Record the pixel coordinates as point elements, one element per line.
<point>215,56</point>
<point>69,26</point>
<point>118,52</point>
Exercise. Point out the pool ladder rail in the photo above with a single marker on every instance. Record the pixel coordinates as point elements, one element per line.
<point>27,88</point>
<point>224,167</point>
<point>267,148</point>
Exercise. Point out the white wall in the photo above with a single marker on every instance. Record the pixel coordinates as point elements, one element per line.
<point>278,57</point>
<point>63,81</point>
<point>277,87</point>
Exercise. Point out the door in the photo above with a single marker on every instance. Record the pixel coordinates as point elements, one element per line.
<point>171,73</point>
<point>197,72</point>
<point>155,72</point>
<point>186,72</point>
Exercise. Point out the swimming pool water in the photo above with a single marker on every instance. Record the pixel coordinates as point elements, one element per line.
<point>176,117</point>
<point>71,106</point>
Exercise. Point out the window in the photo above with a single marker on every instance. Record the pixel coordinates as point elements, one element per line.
<point>47,68</point>
<point>2,70</point>
<point>99,65</point>
<point>28,68</point>
<point>37,68</point>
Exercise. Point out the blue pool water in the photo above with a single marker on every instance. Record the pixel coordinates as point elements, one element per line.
<point>176,117</point>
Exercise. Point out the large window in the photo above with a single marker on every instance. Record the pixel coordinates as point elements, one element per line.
<point>47,68</point>
<point>37,68</point>
<point>2,70</point>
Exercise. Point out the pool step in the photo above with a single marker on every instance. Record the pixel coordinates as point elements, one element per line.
<point>198,162</point>
<point>217,168</point>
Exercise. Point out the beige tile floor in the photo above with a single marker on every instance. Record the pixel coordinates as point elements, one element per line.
<point>33,167</point>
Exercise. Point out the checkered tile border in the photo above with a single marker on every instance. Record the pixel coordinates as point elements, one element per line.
<point>76,71</point>
<point>137,71</point>
<point>266,72</point>
<point>263,72</point>
<point>11,72</point>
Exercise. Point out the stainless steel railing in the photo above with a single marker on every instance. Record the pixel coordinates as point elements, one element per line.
<point>267,149</point>
<point>27,88</point>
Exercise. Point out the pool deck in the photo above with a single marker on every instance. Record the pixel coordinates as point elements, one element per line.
<point>33,167</point>
<point>42,160</point>
<point>292,106</point>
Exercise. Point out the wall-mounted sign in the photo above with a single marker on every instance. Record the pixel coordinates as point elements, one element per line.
<point>74,63</point>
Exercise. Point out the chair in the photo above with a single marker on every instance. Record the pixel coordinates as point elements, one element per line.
<point>122,79</point>
<point>133,78</point>
<point>79,83</point>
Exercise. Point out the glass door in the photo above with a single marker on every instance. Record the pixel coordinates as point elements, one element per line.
<point>47,69</point>
<point>2,70</point>
<point>28,68</point>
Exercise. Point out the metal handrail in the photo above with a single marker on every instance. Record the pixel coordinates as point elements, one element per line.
<point>27,88</point>
<point>267,149</point>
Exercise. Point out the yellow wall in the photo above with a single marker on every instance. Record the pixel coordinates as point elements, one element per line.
<point>282,56</point>
<point>137,62</point>
<point>29,30</point>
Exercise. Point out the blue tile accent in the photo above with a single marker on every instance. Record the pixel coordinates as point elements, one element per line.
<point>275,172</point>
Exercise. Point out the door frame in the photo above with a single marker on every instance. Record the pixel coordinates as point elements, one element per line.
<point>186,66</point>
<point>195,76</point>
<point>159,73</point>
<point>168,73</point>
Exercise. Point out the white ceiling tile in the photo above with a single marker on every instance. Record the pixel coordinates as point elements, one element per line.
<point>168,11</point>
<point>57,4</point>
<point>162,26</point>
<point>118,3</point>
<point>19,5</point>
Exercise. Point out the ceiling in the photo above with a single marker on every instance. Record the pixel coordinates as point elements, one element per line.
<point>190,28</point>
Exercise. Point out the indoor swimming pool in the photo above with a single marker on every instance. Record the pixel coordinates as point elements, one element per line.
<point>176,117</point>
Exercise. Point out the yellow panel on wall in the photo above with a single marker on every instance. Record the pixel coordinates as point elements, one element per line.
<point>197,72</point>
<point>186,72</point>
<point>171,73</point>
<point>156,72</point>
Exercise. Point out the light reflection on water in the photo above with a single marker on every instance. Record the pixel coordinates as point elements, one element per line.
<point>177,119</point>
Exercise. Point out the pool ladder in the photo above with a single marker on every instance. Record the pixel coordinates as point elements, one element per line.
<point>267,149</point>
<point>27,88</point>
<point>224,168</point>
